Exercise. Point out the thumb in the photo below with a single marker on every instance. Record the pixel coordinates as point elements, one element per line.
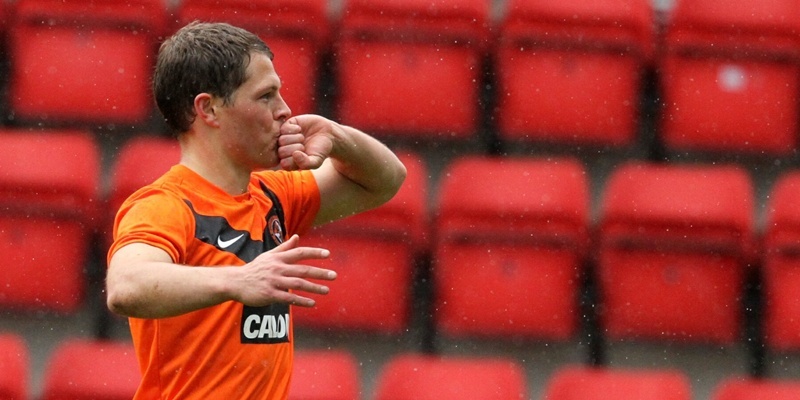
<point>289,244</point>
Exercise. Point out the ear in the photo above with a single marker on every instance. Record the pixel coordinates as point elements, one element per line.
<point>205,108</point>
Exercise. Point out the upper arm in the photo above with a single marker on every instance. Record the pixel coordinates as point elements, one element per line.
<point>126,261</point>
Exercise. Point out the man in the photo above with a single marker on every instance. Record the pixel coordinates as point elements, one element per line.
<point>206,261</point>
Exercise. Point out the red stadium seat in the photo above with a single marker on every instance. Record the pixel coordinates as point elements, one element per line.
<point>588,383</point>
<point>325,375</point>
<point>14,365</point>
<point>740,388</point>
<point>573,71</point>
<point>297,32</point>
<point>510,231</point>
<point>374,254</point>
<point>48,213</point>
<point>412,68</point>
<point>781,264</point>
<point>729,76</point>
<point>424,377</point>
<point>84,61</point>
<point>139,162</point>
<point>674,243</point>
<point>84,369</point>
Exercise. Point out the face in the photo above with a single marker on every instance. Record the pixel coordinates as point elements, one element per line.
<point>250,123</point>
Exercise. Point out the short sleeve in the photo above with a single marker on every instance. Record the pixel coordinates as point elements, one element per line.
<point>157,218</point>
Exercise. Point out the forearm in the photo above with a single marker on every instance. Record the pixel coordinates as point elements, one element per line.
<point>159,289</point>
<point>368,163</point>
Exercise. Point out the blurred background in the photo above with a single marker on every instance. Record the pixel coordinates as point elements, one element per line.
<point>601,200</point>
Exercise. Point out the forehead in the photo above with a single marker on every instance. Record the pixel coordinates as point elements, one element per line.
<point>260,73</point>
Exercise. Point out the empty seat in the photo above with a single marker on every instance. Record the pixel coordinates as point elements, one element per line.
<point>14,367</point>
<point>139,162</point>
<point>412,68</point>
<point>745,388</point>
<point>427,377</point>
<point>596,383</point>
<point>730,77</point>
<point>510,231</point>
<point>781,264</point>
<point>573,71</point>
<point>674,245</point>
<point>76,61</point>
<point>374,254</point>
<point>84,369</point>
<point>297,32</point>
<point>49,183</point>
<point>325,375</point>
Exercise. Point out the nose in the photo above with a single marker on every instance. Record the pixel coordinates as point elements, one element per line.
<point>283,112</point>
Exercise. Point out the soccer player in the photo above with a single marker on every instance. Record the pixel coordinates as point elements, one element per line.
<point>207,260</point>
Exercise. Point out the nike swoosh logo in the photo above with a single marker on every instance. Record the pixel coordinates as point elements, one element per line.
<point>224,244</point>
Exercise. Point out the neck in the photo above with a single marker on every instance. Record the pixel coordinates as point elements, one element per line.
<point>214,166</point>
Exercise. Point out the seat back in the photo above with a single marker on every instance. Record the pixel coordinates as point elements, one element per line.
<point>390,52</point>
<point>297,32</point>
<point>83,369</point>
<point>558,60</point>
<point>587,383</point>
<point>139,162</point>
<point>674,243</point>
<point>84,61</point>
<point>49,192</point>
<point>516,226</point>
<point>375,254</point>
<point>781,259</point>
<point>730,77</point>
<point>324,375</point>
<point>14,367</point>
<point>422,377</point>
<point>742,388</point>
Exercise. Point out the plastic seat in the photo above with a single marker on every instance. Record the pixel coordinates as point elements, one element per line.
<point>573,71</point>
<point>139,162</point>
<point>14,367</point>
<point>77,61</point>
<point>674,244</point>
<point>741,388</point>
<point>426,377</point>
<point>412,69</point>
<point>84,369</point>
<point>781,259</point>
<point>587,383</point>
<point>49,183</point>
<point>517,230</point>
<point>325,375</point>
<point>729,76</point>
<point>297,32</point>
<point>374,254</point>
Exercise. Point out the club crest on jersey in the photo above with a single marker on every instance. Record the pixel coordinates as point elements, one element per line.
<point>275,229</point>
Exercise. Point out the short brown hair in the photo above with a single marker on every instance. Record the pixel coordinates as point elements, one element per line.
<point>201,58</point>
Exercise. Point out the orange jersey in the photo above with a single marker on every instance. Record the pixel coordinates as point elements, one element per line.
<point>228,351</point>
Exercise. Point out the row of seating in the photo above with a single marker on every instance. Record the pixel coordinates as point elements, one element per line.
<point>560,71</point>
<point>83,369</point>
<point>671,248</point>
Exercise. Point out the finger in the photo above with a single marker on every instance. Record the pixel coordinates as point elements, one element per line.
<point>288,244</point>
<point>304,161</point>
<point>294,299</point>
<point>286,139</point>
<point>286,151</point>
<point>295,255</point>
<point>307,271</point>
<point>298,284</point>
<point>290,127</point>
